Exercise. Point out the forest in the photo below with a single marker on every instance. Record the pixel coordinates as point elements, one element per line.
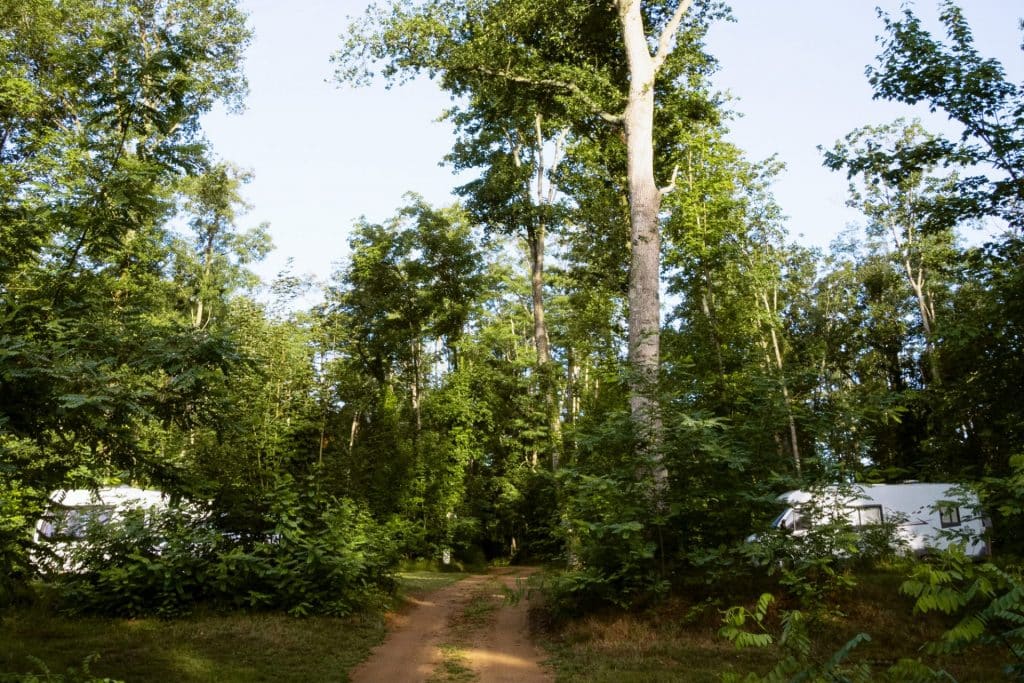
<point>608,358</point>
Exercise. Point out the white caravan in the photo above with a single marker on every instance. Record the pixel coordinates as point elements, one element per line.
<point>925,516</point>
<point>69,514</point>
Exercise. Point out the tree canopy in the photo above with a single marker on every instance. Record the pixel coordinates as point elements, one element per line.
<point>608,355</point>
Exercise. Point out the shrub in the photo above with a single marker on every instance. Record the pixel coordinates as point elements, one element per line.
<point>313,554</point>
<point>611,537</point>
<point>18,505</point>
<point>988,599</point>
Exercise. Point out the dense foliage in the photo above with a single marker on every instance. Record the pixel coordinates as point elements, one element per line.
<point>307,553</point>
<point>465,388</point>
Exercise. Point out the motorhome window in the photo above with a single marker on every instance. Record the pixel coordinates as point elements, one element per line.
<point>949,516</point>
<point>801,522</point>
<point>868,514</point>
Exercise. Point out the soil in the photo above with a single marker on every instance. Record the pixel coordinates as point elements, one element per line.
<point>466,632</point>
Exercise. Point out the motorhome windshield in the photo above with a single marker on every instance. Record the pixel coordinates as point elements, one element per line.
<point>67,523</point>
<point>778,520</point>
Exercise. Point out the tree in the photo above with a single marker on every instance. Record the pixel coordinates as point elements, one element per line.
<point>396,314</point>
<point>100,106</point>
<point>515,194</point>
<point>217,265</point>
<point>734,277</point>
<point>592,63</point>
<point>910,210</point>
<point>978,329</point>
<point>973,91</point>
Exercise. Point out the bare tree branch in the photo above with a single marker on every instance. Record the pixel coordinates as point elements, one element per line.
<point>666,42</point>
<point>672,181</point>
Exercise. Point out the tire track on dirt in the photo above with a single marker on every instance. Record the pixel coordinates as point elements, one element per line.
<point>424,641</point>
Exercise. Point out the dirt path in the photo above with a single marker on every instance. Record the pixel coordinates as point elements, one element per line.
<point>465,632</point>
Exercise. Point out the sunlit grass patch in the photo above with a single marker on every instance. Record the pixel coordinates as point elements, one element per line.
<point>453,668</point>
<point>420,582</point>
<point>228,648</point>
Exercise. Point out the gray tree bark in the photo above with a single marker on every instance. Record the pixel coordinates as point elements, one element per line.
<point>645,236</point>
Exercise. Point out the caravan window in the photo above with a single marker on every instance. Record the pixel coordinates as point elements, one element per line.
<point>866,515</point>
<point>949,516</point>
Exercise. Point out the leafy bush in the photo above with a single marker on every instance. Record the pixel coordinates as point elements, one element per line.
<point>989,600</point>
<point>798,662</point>
<point>1004,500</point>
<point>314,555</point>
<point>324,556</point>
<point>613,549</point>
<point>745,628</point>
<point>18,505</point>
<point>148,561</point>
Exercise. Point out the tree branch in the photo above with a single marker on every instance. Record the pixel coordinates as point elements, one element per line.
<point>666,42</point>
<point>672,181</point>
<point>615,119</point>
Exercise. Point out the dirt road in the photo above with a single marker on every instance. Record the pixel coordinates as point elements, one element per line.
<point>465,632</point>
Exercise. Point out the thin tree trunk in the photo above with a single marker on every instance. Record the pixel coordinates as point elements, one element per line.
<point>353,431</point>
<point>927,311</point>
<point>414,388</point>
<point>917,282</point>
<point>535,237</point>
<point>794,444</point>
<point>197,318</point>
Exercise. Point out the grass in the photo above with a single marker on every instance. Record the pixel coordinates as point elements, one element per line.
<point>227,648</point>
<point>679,641</point>
<point>420,582</point>
<point>630,648</point>
<point>452,668</point>
<point>205,647</point>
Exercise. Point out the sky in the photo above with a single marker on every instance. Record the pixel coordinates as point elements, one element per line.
<point>325,155</point>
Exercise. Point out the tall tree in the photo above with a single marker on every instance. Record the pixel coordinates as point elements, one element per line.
<point>99,121</point>
<point>734,278</point>
<point>953,77</point>
<point>908,209</point>
<point>216,265</point>
<point>592,61</point>
<point>982,323</point>
<point>515,194</point>
<point>100,106</point>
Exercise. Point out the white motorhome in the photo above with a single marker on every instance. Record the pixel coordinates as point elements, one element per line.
<point>70,512</point>
<point>925,516</point>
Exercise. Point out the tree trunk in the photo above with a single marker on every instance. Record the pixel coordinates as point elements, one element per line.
<point>927,309</point>
<point>794,444</point>
<point>645,239</point>
<point>203,286</point>
<point>414,389</point>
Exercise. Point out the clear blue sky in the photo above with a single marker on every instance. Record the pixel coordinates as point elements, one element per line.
<point>323,156</point>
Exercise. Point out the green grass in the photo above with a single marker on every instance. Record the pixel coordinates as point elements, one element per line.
<point>419,582</point>
<point>452,668</point>
<point>202,648</point>
<point>679,641</point>
<point>205,647</point>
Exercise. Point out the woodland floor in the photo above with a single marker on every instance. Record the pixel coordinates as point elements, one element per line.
<point>465,632</point>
